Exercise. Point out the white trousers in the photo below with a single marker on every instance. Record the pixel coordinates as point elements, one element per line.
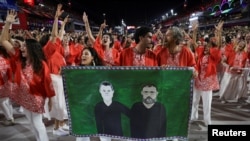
<point>6,106</point>
<point>59,109</point>
<point>37,125</point>
<point>82,139</point>
<point>207,103</point>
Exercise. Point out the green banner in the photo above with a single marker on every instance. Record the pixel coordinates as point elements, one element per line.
<point>130,114</point>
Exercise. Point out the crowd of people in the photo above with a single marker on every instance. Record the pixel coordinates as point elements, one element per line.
<point>31,62</point>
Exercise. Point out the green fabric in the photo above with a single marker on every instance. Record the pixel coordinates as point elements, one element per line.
<point>81,86</point>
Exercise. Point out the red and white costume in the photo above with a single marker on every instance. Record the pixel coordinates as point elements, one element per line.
<point>128,57</point>
<point>206,82</point>
<point>6,87</point>
<point>109,57</point>
<point>55,60</point>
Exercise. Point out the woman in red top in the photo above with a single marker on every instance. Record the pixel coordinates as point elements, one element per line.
<point>71,52</point>
<point>32,77</point>
<point>55,60</point>
<point>103,44</point>
<point>89,57</point>
<point>234,81</point>
<point>5,87</point>
<point>208,57</point>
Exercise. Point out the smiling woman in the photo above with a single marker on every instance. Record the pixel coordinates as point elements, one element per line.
<point>89,57</point>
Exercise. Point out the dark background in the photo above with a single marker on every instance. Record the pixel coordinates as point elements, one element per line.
<point>133,12</point>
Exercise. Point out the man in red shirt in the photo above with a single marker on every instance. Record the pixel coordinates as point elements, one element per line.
<point>139,55</point>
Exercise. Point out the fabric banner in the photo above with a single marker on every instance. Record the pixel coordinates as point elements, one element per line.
<point>128,102</point>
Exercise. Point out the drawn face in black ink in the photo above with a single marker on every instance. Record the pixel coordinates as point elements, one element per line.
<point>106,92</point>
<point>149,94</point>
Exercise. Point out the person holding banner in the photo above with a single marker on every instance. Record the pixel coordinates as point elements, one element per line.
<point>148,118</point>
<point>89,57</point>
<point>174,54</point>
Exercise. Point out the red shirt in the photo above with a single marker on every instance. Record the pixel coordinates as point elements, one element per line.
<point>31,88</point>
<point>186,57</point>
<point>74,54</point>
<point>214,59</point>
<point>51,47</point>
<point>108,57</point>
<point>128,58</point>
<point>54,53</point>
<point>5,76</point>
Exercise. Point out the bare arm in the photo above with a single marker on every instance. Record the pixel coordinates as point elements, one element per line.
<point>87,28</point>
<point>5,40</point>
<point>62,29</point>
<point>194,35</point>
<point>218,33</point>
<point>102,27</point>
<point>54,32</point>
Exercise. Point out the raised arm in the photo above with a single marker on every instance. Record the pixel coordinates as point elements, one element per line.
<point>62,29</point>
<point>102,27</point>
<point>5,39</point>
<point>194,35</point>
<point>87,28</point>
<point>54,32</point>
<point>218,33</point>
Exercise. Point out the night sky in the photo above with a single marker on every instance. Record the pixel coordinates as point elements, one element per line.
<point>133,12</point>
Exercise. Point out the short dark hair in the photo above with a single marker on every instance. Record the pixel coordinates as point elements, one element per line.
<point>111,38</point>
<point>228,39</point>
<point>20,38</point>
<point>106,83</point>
<point>211,35</point>
<point>150,85</point>
<point>141,31</point>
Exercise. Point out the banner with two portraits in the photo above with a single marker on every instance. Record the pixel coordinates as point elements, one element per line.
<point>128,102</point>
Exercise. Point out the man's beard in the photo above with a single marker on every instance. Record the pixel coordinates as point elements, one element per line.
<point>149,100</point>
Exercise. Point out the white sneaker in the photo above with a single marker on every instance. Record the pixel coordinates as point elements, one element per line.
<point>248,100</point>
<point>10,122</point>
<point>65,127</point>
<point>195,126</point>
<point>233,101</point>
<point>20,110</point>
<point>223,102</point>
<point>60,132</point>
